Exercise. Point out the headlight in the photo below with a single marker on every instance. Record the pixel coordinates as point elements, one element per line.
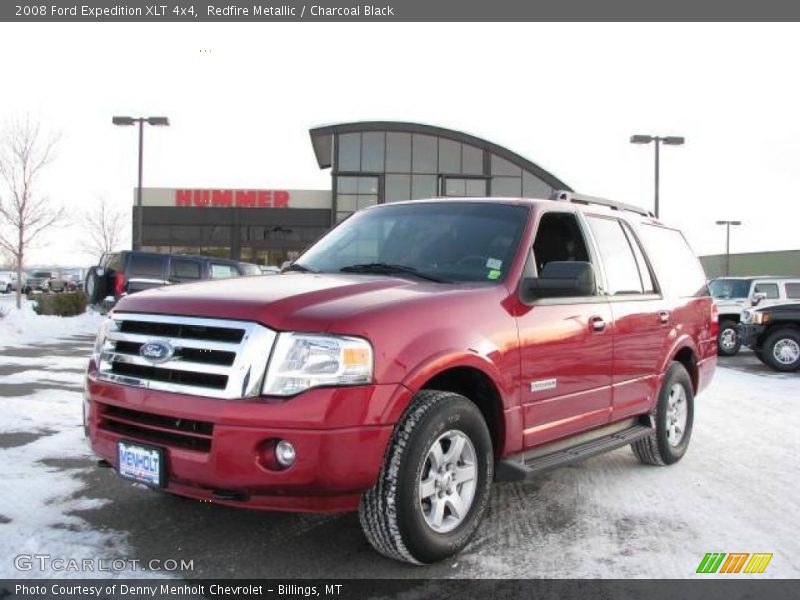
<point>300,362</point>
<point>755,317</point>
<point>100,341</point>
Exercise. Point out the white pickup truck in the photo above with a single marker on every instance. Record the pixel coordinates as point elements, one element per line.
<point>732,295</point>
<point>8,282</point>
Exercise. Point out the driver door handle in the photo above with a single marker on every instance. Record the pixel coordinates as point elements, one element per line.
<point>597,323</point>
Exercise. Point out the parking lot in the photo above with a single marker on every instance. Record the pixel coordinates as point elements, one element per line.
<point>735,491</point>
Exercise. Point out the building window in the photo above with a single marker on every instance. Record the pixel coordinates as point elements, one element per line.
<point>423,186</point>
<point>449,156</point>
<point>501,166</point>
<point>355,193</point>
<point>397,187</point>
<point>471,160</point>
<point>350,152</point>
<point>425,154</point>
<point>372,148</point>
<point>461,187</point>
<point>398,152</point>
<point>507,187</point>
<point>533,187</point>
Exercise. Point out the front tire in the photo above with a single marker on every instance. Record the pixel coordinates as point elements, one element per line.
<point>673,421</point>
<point>728,340</point>
<point>781,350</point>
<point>434,487</point>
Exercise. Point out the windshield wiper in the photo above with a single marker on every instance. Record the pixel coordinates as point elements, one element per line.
<point>388,269</point>
<point>298,267</point>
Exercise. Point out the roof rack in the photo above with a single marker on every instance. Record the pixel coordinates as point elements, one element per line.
<point>567,196</point>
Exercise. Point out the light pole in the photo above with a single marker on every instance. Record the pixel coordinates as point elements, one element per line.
<point>670,140</point>
<point>125,121</point>
<point>728,243</point>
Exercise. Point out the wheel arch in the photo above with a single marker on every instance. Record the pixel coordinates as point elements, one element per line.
<point>474,377</point>
<point>687,356</point>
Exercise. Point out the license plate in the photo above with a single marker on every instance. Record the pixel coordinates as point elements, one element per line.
<point>141,463</point>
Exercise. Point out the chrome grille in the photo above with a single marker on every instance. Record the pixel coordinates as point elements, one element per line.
<point>211,357</point>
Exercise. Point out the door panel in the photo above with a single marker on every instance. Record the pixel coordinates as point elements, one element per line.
<point>640,337</point>
<point>566,369</point>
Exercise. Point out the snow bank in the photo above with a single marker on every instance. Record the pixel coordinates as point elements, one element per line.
<point>21,327</point>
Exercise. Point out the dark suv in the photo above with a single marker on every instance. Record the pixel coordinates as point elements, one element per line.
<point>128,272</point>
<point>773,332</point>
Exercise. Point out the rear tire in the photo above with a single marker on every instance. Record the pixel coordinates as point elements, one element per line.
<point>781,350</point>
<point>674,417</point>
<point>728,341</point>
<point>399,520</point>
<point>9,289</point>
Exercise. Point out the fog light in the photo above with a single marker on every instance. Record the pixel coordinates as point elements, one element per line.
<point>284,453</point>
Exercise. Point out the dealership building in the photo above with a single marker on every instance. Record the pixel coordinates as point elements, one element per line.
<point>370,162</point>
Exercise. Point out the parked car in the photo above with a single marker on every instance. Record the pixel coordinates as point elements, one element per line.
<point>128,272</point>
<point>733,295</point>
<point>773,333</point>
<point>416,353</point>
<point>73,278</point>
<point>45,281</point>
<point>8,282</point>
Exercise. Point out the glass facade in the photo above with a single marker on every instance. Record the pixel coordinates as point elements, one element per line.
<point>375,166</point>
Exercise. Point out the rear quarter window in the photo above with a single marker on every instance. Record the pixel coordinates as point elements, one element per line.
<point>141,266</point>
<point>677,269</point>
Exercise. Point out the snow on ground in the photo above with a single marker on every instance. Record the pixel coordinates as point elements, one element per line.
<point>38,471</point>
<point>22,326</point>
<point>734,491</point>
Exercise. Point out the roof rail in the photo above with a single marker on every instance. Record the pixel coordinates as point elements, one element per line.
<point>567,196</point>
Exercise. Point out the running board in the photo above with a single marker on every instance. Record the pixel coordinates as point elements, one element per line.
<point>520,468</point>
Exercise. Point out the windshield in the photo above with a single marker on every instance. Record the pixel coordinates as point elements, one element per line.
<point>443,241</point>
<point>730,288</point>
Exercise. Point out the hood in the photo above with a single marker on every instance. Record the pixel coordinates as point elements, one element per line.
<point>291,301</point>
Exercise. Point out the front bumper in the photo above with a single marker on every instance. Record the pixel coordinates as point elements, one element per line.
<point>749,334</point>
<point>215,449</point>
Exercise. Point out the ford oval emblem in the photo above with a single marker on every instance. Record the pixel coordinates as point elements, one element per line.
<point>157,351</point>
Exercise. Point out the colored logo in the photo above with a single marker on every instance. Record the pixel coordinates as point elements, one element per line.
<point>157,351</point>
<point>735,562</point>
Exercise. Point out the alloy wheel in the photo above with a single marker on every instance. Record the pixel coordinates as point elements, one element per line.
<point>448,481</point>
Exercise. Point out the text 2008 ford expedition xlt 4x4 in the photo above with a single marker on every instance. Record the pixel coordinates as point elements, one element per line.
<point>414,354</point>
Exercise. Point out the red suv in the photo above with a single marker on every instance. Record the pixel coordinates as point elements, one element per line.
<point>413,355</point>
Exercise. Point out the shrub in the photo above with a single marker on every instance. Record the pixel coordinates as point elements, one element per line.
<point>62,305</point>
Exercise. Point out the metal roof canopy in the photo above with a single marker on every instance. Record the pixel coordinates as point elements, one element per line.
<point>321,139</point>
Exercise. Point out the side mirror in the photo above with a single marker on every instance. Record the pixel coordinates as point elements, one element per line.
<point>560,279</point>
<point>285,265</point>
<point>757,298</point>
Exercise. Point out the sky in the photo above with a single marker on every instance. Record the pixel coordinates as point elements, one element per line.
<point>241,98</point>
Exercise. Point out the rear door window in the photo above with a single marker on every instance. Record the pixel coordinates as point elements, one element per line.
<point>181,269</point>
<point>770,289</point>
<point>223,271</point>
<point>142,266</point>
<point>619,261</point>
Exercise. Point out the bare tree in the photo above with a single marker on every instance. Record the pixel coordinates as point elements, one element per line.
<point>103,225</point>
<point>24,153</point>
